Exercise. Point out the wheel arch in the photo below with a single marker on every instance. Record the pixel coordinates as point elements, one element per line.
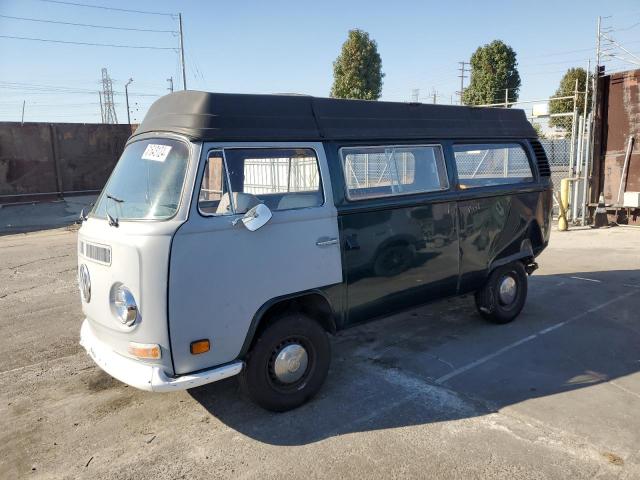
<point>311,302</point>
<point>531,244</point>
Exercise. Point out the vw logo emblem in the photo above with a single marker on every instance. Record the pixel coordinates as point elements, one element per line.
<point>84,282</point>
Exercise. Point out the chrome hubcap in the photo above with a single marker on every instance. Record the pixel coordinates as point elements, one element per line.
<point>291,363</point>
<point>507,290</point>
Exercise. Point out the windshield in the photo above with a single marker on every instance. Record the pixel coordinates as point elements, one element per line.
<point>146,183</point>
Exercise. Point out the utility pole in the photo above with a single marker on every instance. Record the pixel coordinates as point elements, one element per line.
<point>594,94</point>
<point>23,103</point>
<point>101,108</point>
<point>506,98</point>
<point>184,74</point>
<point>126,96</point>
<point>574,126</point>
<point>596,74</point>
<point>435,95</point>
<point>462,76</point>
<point>170,80</point>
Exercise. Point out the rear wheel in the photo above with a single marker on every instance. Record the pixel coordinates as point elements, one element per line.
<point>288,363</point>
<point>503,296</point>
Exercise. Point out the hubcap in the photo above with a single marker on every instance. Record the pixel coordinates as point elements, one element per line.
<point>507,290</point>
<point>291,363</point>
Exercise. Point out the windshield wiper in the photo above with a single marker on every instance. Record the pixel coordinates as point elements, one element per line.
<point>113,221</point>
<point>115,199</point>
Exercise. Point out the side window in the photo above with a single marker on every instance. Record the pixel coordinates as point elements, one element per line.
<point>481,165</point>
<point>213,188</point>
<point>281,178</point>
<point>372,172</point>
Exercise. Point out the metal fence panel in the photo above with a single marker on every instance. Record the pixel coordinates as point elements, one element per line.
<point>559,154</point>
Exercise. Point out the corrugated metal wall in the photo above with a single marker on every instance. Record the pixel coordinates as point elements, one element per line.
<point>617,118</point>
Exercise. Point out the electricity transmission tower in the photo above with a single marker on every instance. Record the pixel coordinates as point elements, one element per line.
<point>108,105</point>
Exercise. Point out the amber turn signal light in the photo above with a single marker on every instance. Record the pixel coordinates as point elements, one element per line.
<point>199,346</point>
<point>145,351</point>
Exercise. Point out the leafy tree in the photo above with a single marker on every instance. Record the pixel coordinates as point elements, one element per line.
<point>493,69</point>
<point>567,88</point>
<point>538,129</point>
<point>357,72</point>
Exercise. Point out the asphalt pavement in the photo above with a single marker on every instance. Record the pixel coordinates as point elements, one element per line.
<point>434,392</point>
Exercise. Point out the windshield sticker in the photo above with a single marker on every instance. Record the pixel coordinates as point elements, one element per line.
<point>155,152</point>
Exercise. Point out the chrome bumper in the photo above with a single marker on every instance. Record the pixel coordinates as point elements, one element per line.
<point>144,376</point>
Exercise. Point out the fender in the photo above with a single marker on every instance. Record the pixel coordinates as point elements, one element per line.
<point>525,253</point>
<point>259,315</point>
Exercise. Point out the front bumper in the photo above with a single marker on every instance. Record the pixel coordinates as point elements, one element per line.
<point>144,376</point>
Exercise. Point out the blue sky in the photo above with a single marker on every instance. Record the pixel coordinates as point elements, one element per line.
<point>284,46</point>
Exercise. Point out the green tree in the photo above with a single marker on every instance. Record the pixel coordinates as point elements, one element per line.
<point>538,129</point>
<point>493,69</point>
<point>567,88</point>
<point>357,72</point>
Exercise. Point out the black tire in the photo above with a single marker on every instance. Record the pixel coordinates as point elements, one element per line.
<point>488,298</point>
<point>258,379</point>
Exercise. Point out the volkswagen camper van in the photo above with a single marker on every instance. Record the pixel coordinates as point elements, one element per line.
<point>237,231</point>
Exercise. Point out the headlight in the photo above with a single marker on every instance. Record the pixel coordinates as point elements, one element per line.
<point>125,305</point>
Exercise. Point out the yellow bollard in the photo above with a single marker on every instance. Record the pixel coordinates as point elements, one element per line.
<point>563,225</point>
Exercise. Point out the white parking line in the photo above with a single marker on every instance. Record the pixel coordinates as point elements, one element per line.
<point>587,279</point>
<point>513,345</point>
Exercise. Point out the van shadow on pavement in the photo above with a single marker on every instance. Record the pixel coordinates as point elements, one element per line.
<point>443,362</point>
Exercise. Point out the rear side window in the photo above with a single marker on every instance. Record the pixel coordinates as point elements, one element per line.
<point>481,165</point>
<point>372,172</point>
<point>281,178</point>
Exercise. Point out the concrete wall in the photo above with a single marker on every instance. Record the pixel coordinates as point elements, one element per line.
<point>57,158</point>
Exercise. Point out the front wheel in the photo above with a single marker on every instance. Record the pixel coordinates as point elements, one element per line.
<point>288,363</point>
<point>503,296</point>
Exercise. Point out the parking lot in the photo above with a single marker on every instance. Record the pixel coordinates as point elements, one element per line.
<point>434,392</point>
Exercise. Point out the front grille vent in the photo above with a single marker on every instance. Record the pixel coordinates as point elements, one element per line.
<point>541,158</point>
<point>99,253</point>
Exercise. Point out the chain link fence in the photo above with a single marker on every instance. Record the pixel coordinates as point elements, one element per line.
<point>559,155</point>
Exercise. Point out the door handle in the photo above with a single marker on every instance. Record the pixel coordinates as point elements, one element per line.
<point>325,243</point>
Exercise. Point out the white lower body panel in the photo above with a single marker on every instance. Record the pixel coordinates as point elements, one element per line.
<point>144,376</point>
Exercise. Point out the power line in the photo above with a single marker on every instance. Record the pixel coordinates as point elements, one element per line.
<point>35,88</point>
<point>40,20</point>
<point>619,46</point>
<point>87,43</point>
<point>75,4</point>
<point>557,53</point>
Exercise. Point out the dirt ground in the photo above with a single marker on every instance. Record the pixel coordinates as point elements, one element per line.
<point>434,392</point>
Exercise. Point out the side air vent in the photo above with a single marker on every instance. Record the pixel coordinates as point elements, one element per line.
<point>541,158</point>
<point>99,253</point>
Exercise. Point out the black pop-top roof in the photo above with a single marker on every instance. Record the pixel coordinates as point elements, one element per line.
<point>227,117</point>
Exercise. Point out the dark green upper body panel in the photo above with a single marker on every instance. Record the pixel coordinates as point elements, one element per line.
<point>406,250</point>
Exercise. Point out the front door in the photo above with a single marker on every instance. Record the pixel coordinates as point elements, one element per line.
<point>397,228</point>
<point>222,273</point>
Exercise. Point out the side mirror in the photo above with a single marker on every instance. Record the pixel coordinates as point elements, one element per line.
<point>256,217</point>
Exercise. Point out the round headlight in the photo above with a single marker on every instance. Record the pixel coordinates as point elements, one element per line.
<point>125,304</point>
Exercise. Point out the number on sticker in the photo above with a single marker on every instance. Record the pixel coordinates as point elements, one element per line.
<point>156,152</point>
